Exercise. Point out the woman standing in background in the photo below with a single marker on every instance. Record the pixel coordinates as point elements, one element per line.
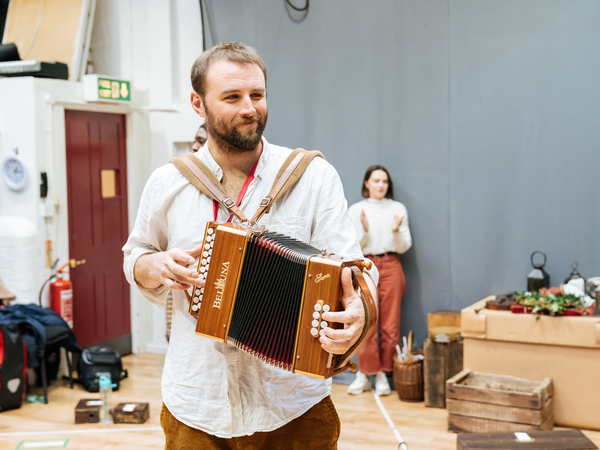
<point>382,227</point>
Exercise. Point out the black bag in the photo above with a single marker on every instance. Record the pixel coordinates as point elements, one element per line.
<point>96,361</point>
<point>13,367</point>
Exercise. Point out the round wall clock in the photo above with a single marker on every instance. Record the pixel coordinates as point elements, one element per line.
<point>14,172</point>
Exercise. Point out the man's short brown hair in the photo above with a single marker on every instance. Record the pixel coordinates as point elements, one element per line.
<point>230,51</point>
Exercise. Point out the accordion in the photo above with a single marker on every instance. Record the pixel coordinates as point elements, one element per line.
<point>265,293</point>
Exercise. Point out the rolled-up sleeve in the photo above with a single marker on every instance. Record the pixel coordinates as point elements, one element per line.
<point>149,235</point>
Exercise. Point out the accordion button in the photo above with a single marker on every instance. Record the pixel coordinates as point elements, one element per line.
<point>202,290</point>
<point>315,323</point>
<point>323,324</point>
<point>194,307</point>
<point>202,269</point>
<point>210,252</point>
<point>317,307</point>
<point>322,332</point>
<point>205,254</point>
<point>326,308</point>
<point>210,231</point>
<point>207,246</point>
<point>196,299</point>
<point>316,315</point>
<point>204,262</point>
<point>208,260</point>
<point>209,238</point>
<point>313,331</point>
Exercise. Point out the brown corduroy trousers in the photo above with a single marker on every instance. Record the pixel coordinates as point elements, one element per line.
<point>318,428</point>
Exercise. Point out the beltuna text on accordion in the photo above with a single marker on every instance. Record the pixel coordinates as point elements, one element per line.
<point>265,293</point>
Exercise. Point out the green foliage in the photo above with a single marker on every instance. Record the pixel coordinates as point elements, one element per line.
<point>551,304</point>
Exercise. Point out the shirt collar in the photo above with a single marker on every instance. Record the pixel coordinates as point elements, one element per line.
<point>207,158</point>
<point>377,202</point>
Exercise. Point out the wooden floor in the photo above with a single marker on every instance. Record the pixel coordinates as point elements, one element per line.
<point>364,427</point>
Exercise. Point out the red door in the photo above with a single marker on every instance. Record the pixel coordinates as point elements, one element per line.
<point>97,195</point>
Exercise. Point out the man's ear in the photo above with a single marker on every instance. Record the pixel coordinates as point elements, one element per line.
<point>197,103</point>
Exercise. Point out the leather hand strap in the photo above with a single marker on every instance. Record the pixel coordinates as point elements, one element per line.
<point>371,315</point>
<point>207,184</point>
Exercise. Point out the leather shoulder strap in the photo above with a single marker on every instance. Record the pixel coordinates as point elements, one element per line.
<point>201,177</point>
<point>288,175</point>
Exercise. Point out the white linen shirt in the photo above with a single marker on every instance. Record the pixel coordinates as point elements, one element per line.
<point>380,238</point>
<point>211,385</point>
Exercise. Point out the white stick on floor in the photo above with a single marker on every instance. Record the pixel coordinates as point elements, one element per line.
<point>101,430</point>
<point>402,445</point>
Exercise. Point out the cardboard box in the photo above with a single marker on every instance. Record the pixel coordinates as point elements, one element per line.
<point>566,349</point>
<point>131,413</point>
<point>481,402</point>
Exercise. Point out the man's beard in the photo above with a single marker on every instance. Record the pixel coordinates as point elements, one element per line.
<point>229,138</point>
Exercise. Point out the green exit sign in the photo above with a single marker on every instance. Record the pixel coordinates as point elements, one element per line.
<point>99,88</point>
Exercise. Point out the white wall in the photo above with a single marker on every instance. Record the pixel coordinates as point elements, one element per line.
<point>152,43</point>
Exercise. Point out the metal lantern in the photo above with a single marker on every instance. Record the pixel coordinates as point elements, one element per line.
<point>537,278</point>
<point>574,273</point>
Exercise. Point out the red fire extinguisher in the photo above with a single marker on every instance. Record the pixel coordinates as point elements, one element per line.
<point>61,293</point>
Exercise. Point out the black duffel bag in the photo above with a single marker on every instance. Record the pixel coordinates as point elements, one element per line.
<point>96,361</point>
<point>13,367</point>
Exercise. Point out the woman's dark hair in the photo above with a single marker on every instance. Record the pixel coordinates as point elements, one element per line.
<point>370,170</point>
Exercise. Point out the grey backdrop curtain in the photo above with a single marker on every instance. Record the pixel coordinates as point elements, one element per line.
<point>486,113</point>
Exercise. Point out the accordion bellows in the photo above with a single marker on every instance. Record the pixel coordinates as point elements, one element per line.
<point>265,293</point>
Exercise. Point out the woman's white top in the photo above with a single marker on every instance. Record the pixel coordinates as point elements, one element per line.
<point>380,238</point>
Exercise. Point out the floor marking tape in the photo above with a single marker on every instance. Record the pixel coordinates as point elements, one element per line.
<point>401,442</point>
<point>105,430</point>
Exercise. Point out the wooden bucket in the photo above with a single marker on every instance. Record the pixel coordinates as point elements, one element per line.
<point>408,379</point>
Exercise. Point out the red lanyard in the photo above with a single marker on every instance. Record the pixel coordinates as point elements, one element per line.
<point>242,192</point>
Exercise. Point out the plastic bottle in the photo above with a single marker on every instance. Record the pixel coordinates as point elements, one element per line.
<point>106,386</point>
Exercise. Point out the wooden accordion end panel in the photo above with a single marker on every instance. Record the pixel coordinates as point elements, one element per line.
<point>265,293</point>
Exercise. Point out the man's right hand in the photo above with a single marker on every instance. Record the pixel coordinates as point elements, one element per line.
<point>169,268</point>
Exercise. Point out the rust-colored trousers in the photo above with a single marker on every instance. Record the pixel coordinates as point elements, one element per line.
<point>374,357</point>
<point>318,428</point>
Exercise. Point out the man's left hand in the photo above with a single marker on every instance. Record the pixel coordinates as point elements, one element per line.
<point>338,341</point>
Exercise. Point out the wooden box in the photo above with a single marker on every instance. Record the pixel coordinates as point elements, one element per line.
<point>541,440</point>
<point>566,349</point>
<point>131,413</point>
<point>481,402</point>
<point>443,318</point>
<point>88,410</point>
<point>442,361</point>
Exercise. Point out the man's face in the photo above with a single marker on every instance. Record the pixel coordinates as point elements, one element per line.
<point>234,105</point>
<point>200,139</point>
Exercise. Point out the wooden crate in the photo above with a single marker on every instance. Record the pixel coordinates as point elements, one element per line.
<point>88,410</point>
<point>480,402</point>
<point>131,413</point>
<point>541,440</point>
<point>442,361</point>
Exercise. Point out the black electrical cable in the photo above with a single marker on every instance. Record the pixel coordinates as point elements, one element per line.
<point>42,289</point>
<point>208,22</point>
<point>296,8</point>
<point>54,275</point>
<point>202,22</point>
